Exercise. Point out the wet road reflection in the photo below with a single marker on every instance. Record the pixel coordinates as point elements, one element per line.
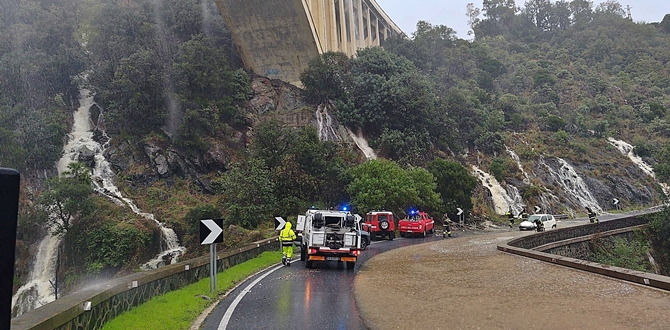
<point>299,298</point>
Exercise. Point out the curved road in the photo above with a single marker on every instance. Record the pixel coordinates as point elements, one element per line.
<point>299,298</point>
<point>323,298</point>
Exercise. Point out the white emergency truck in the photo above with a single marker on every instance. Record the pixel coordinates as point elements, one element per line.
<point>329,235</point>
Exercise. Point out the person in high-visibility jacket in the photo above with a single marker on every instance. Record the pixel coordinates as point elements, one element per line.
<point>286,237</point>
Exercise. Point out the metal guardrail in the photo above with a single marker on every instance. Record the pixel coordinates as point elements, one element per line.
<point>90,308</point>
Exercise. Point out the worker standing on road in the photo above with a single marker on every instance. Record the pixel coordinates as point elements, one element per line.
<point>286,237</point>
<point>447,226</point>
<point>510,217</point>
<point>592,215</point>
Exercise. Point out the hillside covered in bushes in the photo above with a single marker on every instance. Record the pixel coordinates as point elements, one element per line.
<point>190,134</point>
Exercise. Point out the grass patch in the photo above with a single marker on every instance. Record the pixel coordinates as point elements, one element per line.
<point>178,309</point>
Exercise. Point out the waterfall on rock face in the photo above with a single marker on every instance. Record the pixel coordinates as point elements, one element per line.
<point>325,124</point>
<point>103,183</point>
<point>502,202</point>
<point>362,143</point>
<point>571,183</point>
<point>627,149</point>
<point>39,290</point>
<point>514,156</point>
<point>80,146</point>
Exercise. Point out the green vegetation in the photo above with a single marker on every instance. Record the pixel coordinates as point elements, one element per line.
<point>379,184</point>
<point>620,252</point>
<point>659,235</point>
<point>454,184</point>
<point>544,78</point>
<point>178,309</point>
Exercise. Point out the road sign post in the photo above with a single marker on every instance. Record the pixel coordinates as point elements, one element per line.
<point>461,217</point>
<point>9,208</point>
<point>211,232</point>
<point>615,201</point>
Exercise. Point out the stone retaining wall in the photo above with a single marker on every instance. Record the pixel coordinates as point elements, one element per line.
<point>532,246</point>
<point>114,297</point>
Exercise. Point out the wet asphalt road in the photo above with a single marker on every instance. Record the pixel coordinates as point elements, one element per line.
<point>299,298</point>
<point>321,298</point>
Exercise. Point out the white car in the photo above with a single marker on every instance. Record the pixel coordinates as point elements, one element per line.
<point>529,224</point>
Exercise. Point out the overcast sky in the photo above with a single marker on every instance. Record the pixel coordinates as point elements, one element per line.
<point>405,13</point>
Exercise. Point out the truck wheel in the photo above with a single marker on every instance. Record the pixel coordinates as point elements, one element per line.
<point>303,253</point>
<point>402,234</point>
<point>309,264</point>
<point>391,235</point>
<point>350,265</point>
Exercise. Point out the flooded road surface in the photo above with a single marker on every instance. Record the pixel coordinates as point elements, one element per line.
<point>465,283</point>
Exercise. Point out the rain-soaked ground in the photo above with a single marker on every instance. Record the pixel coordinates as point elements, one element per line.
<point>465,283</point>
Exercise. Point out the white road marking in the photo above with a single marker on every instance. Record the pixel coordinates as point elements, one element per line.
<point>233,305</point>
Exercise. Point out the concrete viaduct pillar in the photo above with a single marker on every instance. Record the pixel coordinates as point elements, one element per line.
<point>278,38</point>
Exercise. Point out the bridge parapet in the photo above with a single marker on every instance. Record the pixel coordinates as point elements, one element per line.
<point>532,245</point>
<point>278,38</point>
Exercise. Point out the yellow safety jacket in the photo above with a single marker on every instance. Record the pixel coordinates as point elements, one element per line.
<point>286,235</point>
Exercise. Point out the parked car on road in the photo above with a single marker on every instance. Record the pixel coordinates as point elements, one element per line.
<point>416,223</point>
<point>380,224</point>
<point>529,224</point>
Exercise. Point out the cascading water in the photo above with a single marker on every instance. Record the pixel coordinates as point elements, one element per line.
<point>516,158</point>
<point>502,201</point>
<point>325,124</point>
<point>103,183</point>
<point>38,291</point>
<point>627,149</point>
<point>570,182</point>
<point>362,144</point>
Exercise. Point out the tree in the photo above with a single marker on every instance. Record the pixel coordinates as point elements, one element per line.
<point>388,95</point>
<point>382,184</point>
<point>202,71</point>
<point>65,201</point>
<point>539,12</point>
<point>327,77</point>
<point>611,7</point>
<point>472,13</point>
<point>454,184</point>
<point>582,11</point>
<point>559,19</point>
<point>248,193</point>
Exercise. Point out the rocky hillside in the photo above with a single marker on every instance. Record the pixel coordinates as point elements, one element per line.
<point>560,116</point>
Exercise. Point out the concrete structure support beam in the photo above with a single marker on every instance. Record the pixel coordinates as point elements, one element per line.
<point>278,38</point>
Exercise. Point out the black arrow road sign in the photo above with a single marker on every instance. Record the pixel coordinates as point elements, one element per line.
<point>460,211</point>
<point>279,223</point>
<point>211,231</point>
<point>615,201</point>
<point>537,209</point>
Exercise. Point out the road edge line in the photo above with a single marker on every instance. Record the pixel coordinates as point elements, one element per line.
<point>197,323</point>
